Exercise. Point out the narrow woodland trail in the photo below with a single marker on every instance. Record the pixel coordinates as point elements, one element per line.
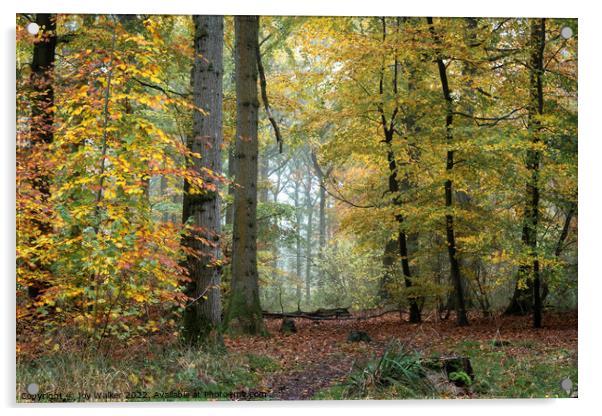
<point>319,355</point>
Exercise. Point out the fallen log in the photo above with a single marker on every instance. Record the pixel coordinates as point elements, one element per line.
<point>325,315</point>
<point>321,313</point>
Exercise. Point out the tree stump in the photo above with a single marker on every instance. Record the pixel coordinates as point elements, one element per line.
<point>357,336</point>
<point>455,366</point>
<point>288,326</point>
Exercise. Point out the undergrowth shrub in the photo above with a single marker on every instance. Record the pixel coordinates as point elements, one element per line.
<point>396,367</point>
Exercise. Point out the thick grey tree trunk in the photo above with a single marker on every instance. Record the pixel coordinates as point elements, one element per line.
<point>244,311</point>
<point>204,313</point>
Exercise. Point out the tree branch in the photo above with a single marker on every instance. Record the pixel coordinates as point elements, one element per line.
<point>264,98</point>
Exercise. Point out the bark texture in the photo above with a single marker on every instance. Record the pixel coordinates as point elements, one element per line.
<point>204,313</point>
<point>244,311</point>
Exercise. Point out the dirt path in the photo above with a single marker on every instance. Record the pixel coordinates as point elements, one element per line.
<point>303,384</point>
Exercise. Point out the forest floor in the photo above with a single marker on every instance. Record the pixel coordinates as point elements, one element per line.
<point>316,362</point>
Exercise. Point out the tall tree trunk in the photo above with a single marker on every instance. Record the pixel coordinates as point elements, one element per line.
<point>42,115</point>
<point>560,244</point>
<point>389,127</point>
<point>322,221</point>
<point>264,179</point>
<point>298,262</point>
<point>231,187</point>
<point>275,193</point>
<point>538,39</point>
<point>164,212</point>
<point>204,313</point>
<point>177,199</point>
<point>244,311</point>
<point>527,293</point>
<point>42,75</point>
<point>402,239</point>
<point>565,229</point>
<point>389,256</point>
<point>229,215</point>
<point>322,176</point>
<point>456,277</point>
<point>308,242</point>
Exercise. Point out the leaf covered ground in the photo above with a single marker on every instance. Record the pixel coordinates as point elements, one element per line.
<point>318,358</point>
<point>510,359</point>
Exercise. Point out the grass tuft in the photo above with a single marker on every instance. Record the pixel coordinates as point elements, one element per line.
<point>180,373</point>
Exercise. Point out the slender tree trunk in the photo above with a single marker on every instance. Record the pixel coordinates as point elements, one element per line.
<point>42,116</point>
<point>538,37</point>
<point>177,199</point>
<point>321,230</point>
<point>164,212</point>
<point>389,256</point>
<point>275,193</point>
<point>322,221</point>
<point>42,76</point>
<point>298,263</point>
<point>560,244</point>
<point>565,229</point>
<point>229,215</point>
<point>456,277</point>
<point>308,241</point>
<point>231,187</point>
<point>204,313</point>
<point>402,243</point>
<point>264,180</point>
<point>527,296</point>
<point>322,176</point>
<point>388,127</point>
<point>244,311</point>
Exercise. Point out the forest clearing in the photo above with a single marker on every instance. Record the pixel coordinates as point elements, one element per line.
<point>295,208</point>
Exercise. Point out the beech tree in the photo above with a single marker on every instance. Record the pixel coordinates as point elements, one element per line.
<point>420,164</point>
<point>527,293</point>
<point>204,265</point>
<point>244,310</point>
